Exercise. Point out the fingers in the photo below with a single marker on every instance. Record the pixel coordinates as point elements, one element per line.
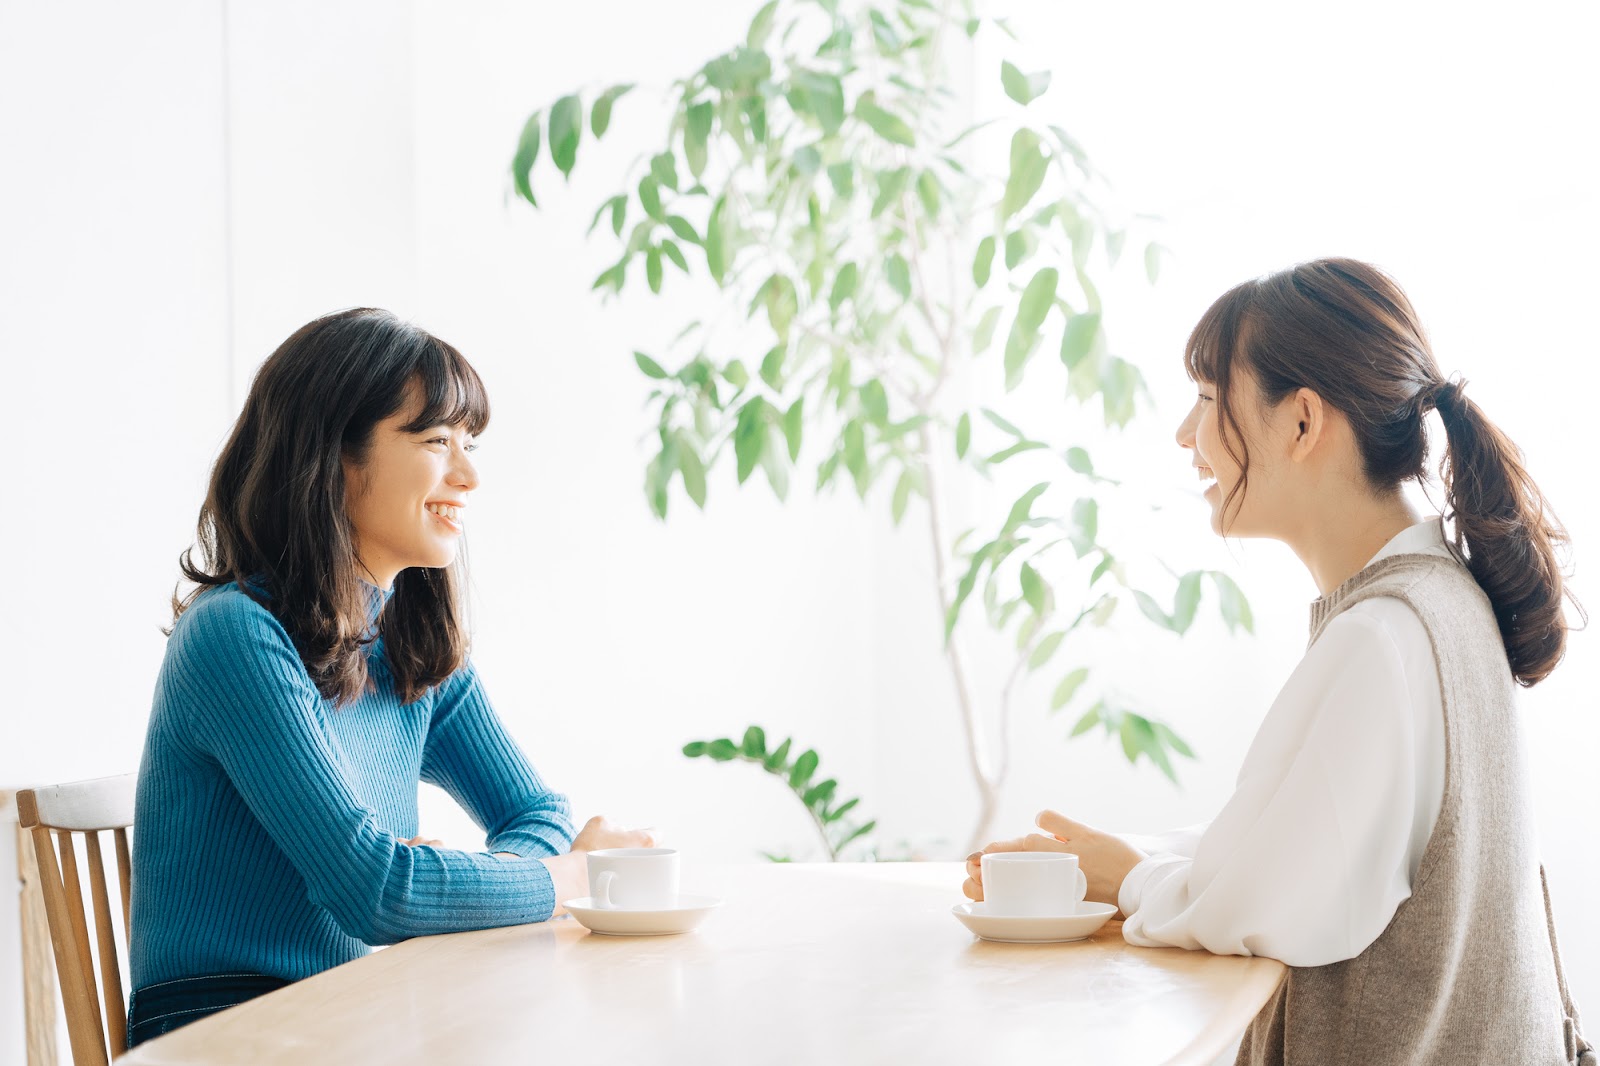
<point>1059,825</point>
<point>973,890</point>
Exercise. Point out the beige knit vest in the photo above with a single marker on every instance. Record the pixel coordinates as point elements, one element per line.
<point>1467,971</point>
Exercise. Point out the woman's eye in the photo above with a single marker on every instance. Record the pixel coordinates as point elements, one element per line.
<point>1204,397</point>
<point>471,448</point>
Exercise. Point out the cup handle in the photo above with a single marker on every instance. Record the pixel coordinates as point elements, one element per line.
<point>602,889</point>
<point>1083,887</point>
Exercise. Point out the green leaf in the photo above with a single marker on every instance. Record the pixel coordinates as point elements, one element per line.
<point>1079,337</point>
<point>928,192</point>
<point>793,425</point>
<point>696,133</point>
<point>1021,509</point>
<point>902,496</point>
<point>650,199</point>
<point>1120,384</point>
<point>694,749</point>
<point>1085,526</point>
<point>1152,610</point>
<point>1003,425</point>
<point>694,473</point>
<point>600,117</point>
<point>844,286</point>
<point>650,366</point>
<point>1090,719</point>
<point>761,25</point>
<point>1033,588</point>
<point>898,274</point>
<point>1152,261</point>
<point>664,169</point>
<point>963,435</point>
<point>750,436</point>
<point>566,127</point>
<point>527,154</point>
<point>674,253</point>
<point>1187,601</point>
<point>779,759</point>
<point>652,269</point>
<point>682,229</point>
<point>842,177</point>
<point>804,767</point>
<point>1173,741</point>
<point>619,213</point>
<point>875,402</point>
<point>1068,688</point>
<point>820,96</point>
<point>735,374</point>
<point>885,124</point>
<point>841,810</point>
<point>1016,449</point>
<point>983,262</point>
<point>891,183</point>
<point>983,336</point>
<point>1078,460</point>
<point>772,366</point>
<point>723,750</point>
<point>1028,167</point>
<point>1019,245</point>
<point>1045,649</point>
<point>1037,299</point>
<point>1023,88</point>
<point>860,831</point>
<point>755,743</point>
<point>1021,343</point>
<point>1235,608</point>
<point>600,212</point>
<point>717,242</point>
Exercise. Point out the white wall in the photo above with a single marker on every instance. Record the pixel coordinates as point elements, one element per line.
<point>195,180</point>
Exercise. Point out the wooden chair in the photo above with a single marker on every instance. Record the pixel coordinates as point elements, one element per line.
<point>84,808</point>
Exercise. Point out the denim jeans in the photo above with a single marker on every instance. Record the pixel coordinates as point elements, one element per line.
<point>161,1008</point>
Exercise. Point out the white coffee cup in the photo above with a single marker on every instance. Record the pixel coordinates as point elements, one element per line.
<point>634,879</point>
<point>1033,884</point>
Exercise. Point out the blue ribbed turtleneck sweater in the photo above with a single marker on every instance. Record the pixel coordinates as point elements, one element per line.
<point>268,825</point>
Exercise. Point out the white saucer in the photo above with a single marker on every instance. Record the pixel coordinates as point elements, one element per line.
<point>1015,929</point>
<point>689,912</point>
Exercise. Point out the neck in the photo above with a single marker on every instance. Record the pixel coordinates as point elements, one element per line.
<point>1338,538</point>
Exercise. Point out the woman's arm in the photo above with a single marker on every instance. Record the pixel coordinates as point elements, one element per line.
<point>1313,853</point>
<point>253,709</point>
<point>470,755</point>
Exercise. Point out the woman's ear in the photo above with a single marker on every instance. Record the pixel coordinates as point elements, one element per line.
<point>1309,415</point>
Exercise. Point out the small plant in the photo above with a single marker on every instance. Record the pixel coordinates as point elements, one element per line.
<point>819,798</point>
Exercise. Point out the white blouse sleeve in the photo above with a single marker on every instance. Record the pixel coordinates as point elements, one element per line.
<point>1315,850</point>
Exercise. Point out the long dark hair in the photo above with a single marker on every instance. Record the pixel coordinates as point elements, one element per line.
<point>274,520</point>
<point>1345,330</point>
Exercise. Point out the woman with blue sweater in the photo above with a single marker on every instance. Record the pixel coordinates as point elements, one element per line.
<point>317,673</point>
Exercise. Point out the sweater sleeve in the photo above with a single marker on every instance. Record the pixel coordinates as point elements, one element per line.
<point>470,755</point>
<point>1309,859</point>
<point>257,713</point>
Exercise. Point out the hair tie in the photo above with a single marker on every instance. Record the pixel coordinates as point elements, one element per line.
<point>1444,396</point>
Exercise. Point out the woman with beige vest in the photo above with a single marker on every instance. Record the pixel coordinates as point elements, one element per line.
<point>1380,839</point>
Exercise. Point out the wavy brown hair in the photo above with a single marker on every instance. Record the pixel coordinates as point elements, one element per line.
<point>1346,331</point>
<point>274,520</point>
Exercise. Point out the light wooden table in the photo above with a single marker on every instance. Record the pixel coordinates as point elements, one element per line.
<point>854,963</point>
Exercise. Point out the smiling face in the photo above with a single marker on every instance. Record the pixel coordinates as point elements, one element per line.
<point>1254,509</point>
<point>407,494</point>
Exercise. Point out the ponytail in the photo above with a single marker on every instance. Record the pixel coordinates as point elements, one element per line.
<point>1505,533</point>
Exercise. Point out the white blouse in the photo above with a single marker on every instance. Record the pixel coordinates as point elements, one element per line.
<point>1336,799</point>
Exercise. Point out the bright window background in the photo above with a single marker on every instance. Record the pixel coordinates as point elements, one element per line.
<point>188,181</point>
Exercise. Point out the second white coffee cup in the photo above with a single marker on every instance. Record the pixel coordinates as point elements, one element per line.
<point>634,879</point>
<point>1033,884</point>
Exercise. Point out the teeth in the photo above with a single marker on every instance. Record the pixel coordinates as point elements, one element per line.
<point>444,511</point>
<point>1206,473</point>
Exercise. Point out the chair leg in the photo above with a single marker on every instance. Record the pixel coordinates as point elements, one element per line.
<point>38,972</point>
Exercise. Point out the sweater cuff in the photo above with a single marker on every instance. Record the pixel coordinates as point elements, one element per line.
<point>1131,895</point>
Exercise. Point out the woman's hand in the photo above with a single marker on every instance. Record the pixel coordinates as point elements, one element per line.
<point>598,834</point>
<point>422,842</point>
<point>1104,859</point>
<point>570,872</point>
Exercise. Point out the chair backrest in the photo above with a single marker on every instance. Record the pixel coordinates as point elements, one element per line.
<point>51,816</point>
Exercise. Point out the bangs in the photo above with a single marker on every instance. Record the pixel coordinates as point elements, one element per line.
<point>1208,354</point>
<point>452,392</point>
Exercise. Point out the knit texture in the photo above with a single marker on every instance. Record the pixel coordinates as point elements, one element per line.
<point>1465,971</point>
<point>268,824</point>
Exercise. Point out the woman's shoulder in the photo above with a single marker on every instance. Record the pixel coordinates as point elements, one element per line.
<point>227,618</point>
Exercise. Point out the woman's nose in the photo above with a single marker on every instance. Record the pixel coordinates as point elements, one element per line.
<point>1185,434</point>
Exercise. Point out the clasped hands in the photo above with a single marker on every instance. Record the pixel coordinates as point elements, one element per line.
<point>1105,859</point>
